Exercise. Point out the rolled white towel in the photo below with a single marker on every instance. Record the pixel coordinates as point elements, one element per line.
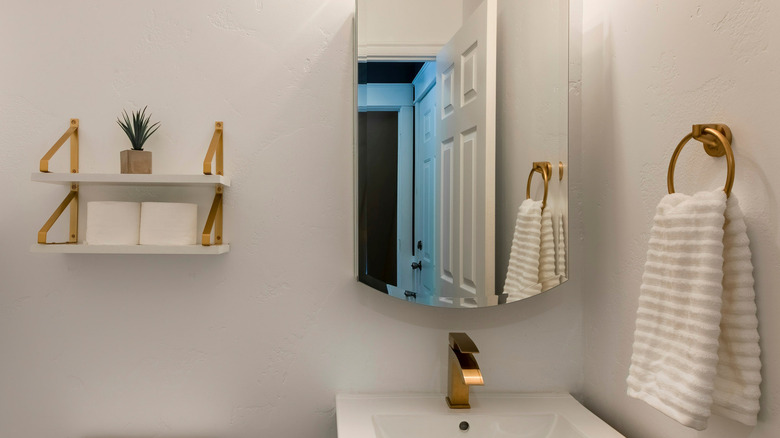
<point>168,223</point>
<point>113,223</point>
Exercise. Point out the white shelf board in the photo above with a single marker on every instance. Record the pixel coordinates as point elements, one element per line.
<point>70,248</point>
<point>129,179</point>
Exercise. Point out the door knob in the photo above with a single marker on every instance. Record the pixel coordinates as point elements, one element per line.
<point>417,265</point>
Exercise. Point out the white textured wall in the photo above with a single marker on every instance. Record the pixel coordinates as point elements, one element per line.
<point>253,343</point>
<point>650,71</point>
<point>410,22</point>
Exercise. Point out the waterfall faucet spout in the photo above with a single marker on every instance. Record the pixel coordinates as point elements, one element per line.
<point>463,371</point>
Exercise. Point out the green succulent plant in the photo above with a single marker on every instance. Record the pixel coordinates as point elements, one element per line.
<point>137,127</point>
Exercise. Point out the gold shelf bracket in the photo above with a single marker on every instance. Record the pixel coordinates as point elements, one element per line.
<point>214,220</point>
<point>71,200</point>
<point>215,148</point>
<point>73,134</point>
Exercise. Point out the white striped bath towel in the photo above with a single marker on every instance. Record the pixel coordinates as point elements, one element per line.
<point>738,375</point>
<point>696,340</point>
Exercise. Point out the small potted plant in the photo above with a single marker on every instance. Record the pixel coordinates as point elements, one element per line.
<point>138,130</point>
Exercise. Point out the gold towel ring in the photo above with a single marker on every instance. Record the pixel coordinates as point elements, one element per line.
<point>545,168</point>
<point>717,142</point>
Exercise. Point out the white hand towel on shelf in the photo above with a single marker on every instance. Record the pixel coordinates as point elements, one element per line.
<point>682,305</point>
<point>522,277</point>
<point>547,277</point>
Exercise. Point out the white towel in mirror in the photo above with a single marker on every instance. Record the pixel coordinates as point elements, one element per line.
<point>560,253</point>
<point>547,276</point>
<point>522,277</point>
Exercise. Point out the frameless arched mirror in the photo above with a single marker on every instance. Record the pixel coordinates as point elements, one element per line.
<point>461,149</point>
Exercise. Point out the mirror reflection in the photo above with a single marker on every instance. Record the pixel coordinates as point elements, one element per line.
<point>461,149</point>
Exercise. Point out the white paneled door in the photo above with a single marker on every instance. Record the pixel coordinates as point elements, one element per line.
<point>466,127</point>
<point>425,193</point>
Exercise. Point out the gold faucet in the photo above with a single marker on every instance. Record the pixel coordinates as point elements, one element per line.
<point>463,371</point>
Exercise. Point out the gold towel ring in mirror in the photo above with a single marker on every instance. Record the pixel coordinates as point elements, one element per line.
<point>717,142</point>
<point>545,168</point>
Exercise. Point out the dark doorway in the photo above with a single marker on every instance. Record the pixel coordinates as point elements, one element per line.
<point>377,195</point>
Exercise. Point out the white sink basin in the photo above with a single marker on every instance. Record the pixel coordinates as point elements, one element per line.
<point>490,416</point>
<point>498,426</point>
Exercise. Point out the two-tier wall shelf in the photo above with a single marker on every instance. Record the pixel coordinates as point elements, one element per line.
<point>211,238</point>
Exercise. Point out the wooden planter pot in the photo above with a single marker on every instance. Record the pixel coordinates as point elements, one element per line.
<point>133,161</point>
